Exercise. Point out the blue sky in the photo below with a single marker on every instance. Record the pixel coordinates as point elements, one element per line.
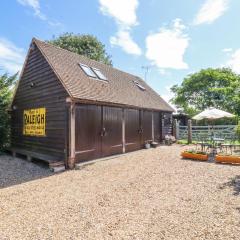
<point>172,38</point>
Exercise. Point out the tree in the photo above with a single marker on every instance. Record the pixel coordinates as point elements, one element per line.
<point>218,88</point>
<point>6,85</point>
<point>86,45</point>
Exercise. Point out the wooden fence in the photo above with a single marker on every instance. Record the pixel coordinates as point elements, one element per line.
<point>190,132</point>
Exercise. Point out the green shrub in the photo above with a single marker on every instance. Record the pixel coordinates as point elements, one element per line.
<point>238,131</point>
<point>6,86</point>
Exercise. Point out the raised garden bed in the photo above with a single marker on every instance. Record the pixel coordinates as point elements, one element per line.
<point>201,156</point>
<point>227,159</point>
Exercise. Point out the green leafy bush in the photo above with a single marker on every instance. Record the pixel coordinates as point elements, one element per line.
<point>6,86</point>
<point>196,152</point>
<point>238,131</point>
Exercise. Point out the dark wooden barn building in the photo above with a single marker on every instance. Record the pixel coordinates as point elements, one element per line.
<point>68,108</point>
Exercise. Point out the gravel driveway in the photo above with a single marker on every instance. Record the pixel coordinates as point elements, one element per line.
<point>149,194</point>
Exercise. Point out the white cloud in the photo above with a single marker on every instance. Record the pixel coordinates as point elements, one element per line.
<point>35,5</point>
<point>210,11</point>
<point>124,14</point>
<point>124,40</point>
<point>11,57</point>
<point>124,11</point>
<point>234,62</point>
<point>166,48</point>
<point>227,50</point>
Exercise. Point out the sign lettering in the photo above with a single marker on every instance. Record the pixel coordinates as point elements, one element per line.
<point>34,122</point>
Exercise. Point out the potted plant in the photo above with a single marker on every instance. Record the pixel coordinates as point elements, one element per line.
<point>224,158</point>
<point>195,155</point>
<point>147,145</point>
<point>169,139</point>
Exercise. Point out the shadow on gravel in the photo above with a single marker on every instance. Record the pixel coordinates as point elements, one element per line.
<point>14,171</point>
<point>234,183</point>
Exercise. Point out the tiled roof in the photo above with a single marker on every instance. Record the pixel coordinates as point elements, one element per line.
<point>120,88</point>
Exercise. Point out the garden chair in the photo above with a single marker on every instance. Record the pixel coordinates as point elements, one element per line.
<point>228,146</point>
<point>204,142</point>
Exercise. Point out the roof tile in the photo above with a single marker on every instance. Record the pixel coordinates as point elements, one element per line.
<point>120,88</point>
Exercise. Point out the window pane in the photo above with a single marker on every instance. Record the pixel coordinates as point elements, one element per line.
<point>99,74</point>
<point>88,70</point>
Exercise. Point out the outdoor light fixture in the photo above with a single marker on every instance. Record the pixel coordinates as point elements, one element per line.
<point>32,84</point>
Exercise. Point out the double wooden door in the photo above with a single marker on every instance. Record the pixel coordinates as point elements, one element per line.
<point>138,128</point>
<point>101,131</point>
<point>98,131</point>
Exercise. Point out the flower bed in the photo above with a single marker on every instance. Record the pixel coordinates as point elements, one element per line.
<point>201,156</point>
<point>227,159</point>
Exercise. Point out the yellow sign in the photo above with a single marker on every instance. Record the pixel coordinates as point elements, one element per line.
<point>34,122</point>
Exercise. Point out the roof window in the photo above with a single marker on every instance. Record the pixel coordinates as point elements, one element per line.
<point>99,74</point>
<point>139,86</point>
<point>88,70</point>
<point>93,72</point>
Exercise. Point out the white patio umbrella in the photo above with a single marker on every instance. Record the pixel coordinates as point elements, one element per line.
<point>212,113</point>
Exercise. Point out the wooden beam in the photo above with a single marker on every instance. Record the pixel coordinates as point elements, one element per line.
<point>152,126</point>
<point>71,159</point>
<point>123,131</point>
<point>111,104</point>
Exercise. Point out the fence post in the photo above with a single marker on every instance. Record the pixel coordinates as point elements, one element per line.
<point>175,128</point>
<point>189,131</point>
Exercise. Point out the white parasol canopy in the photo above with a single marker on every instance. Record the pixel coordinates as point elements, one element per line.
<point>212,113</point>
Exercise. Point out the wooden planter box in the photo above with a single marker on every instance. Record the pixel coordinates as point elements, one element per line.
<point>194,156</point>
<point>227,159</point>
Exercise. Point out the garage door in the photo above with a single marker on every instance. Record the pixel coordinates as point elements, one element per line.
<point>88,132</point>
<point>146,126</point>
<point>98,131</point>
<point>157,126</point>
<point>132,130</point>
<point>112,131</point>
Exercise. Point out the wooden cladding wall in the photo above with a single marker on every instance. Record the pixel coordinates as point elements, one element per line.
<point>40,88</point>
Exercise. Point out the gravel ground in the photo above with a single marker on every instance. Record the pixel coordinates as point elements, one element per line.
<point>149,194</point>
<point>15,171</point>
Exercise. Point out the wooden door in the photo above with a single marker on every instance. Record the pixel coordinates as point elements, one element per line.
<point>88,132</point>
<point>132,130</point>
<point>146,122</point>
<point>111,131</point>
<point>157,123</point>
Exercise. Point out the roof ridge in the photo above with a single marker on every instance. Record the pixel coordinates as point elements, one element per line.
<point>52,45</point>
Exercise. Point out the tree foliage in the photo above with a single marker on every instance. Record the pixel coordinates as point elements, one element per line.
<point>218,88</point>
<point>86,45</point>
<point>6,85</point>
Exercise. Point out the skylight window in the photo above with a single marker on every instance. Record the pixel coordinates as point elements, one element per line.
<point>99,74</point>
<point>139,85</point>
<point>88,70</point>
